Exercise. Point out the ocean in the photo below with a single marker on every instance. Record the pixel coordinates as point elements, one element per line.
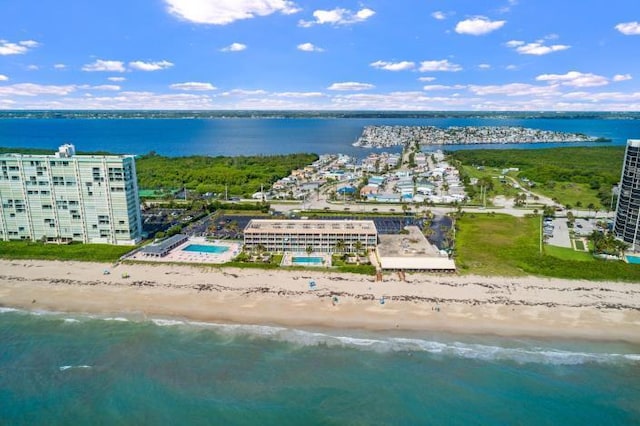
<point>249,136</point>
<point>74,369</point>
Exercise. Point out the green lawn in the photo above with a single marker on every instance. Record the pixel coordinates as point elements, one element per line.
<point>81,252</point>
<point>568,254</point>
<point>579,245</point>
<point>509,246</point>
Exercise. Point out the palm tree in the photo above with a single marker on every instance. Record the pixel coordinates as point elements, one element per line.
<point>340,246</point>
<point>309,249</point>
<point>358,246</point>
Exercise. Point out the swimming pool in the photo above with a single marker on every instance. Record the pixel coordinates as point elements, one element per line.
<point>307,260</point>
<point>206,248</point>
<point>633,260</point>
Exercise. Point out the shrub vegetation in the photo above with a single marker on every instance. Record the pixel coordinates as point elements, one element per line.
<point>242,175</point>
<point>74,251</point>
<point>559,173</point>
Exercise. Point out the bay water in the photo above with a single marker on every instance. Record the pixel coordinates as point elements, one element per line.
<point>264,136</point>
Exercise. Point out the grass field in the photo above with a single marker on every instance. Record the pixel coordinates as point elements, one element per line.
<point>568,254</point>
<point>495,244</point>
<point>509,246</point>
<point>571,193</point>
<point>81,252</point>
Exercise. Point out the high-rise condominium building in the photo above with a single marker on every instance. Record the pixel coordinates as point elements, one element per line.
<point>627,221</point>
<point>67,197</point>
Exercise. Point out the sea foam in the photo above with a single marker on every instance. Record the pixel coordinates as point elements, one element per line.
<point>69,367</point>
<point>484,352</point>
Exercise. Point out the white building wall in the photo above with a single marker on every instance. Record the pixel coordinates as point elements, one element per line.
<point>91,199</point>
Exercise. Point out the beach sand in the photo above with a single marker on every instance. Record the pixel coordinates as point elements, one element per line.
<point>528,306</point>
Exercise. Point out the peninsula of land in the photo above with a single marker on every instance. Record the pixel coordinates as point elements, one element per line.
<point>522,306</point>
<point>388,136</point>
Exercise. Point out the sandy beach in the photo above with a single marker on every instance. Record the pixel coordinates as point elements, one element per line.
<point>528,306</point>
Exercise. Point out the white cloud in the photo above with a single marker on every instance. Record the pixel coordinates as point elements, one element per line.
<point>19,48</point>
<point>575,79</point>
<point>150,66</point>
<point>3,77</point>
<point>104,87</point>
<point>622,77</point>
<point>515,89</point>
<point>441,65</point>
<point>299,94</point>
<point>338,16</point>
<point>59,66</point>
<point>439,15</point>
<point>629,28</point>
<point>484,66</point>
<point>350,85</point>
<point>393,66</point>
<point>426,79</point>
<point>511,67</point>
<point>116,79</point>
<point>244,92</point>
<point>30,89</point>
<point>432,87</point>
<point>478,25</point>
<point>234,47</point>
<point>223,12</point>
<point>535,48</point>
<point>193,86</point>
<point>102,65</point>
<point>32,68</point>
<point>309,47</point>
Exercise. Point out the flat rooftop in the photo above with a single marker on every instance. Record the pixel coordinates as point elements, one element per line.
<point>306,226</point>
<point>411,251</point>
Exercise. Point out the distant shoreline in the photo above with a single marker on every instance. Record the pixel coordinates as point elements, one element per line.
<point>523,306</point>
<point>306,114</point>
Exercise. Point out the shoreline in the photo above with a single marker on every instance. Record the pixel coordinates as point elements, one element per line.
<point>500,306</point>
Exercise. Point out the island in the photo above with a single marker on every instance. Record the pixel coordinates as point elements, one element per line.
<point>387,136</point>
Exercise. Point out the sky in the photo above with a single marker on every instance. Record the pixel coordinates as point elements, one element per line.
<point>419,55</point>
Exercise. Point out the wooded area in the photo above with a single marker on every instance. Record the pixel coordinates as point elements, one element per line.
<point>597,167</point>
<point>243,175</point>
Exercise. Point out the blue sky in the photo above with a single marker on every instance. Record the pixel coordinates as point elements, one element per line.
<point>289,54</point>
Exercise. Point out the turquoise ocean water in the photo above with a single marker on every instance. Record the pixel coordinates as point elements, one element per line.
<point>72,369</point>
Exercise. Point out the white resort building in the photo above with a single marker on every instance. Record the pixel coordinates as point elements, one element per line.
<point>324,236</point>
<point>67,197</point>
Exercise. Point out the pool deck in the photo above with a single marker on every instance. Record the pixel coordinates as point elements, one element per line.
<point>180,256</point>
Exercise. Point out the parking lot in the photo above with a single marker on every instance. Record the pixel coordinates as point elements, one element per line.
<point>557,232</point>
<point>559,235</point>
